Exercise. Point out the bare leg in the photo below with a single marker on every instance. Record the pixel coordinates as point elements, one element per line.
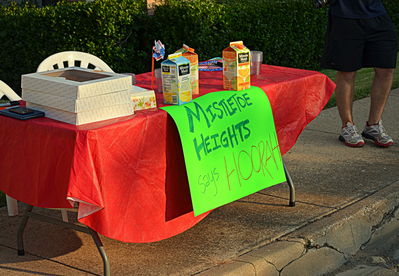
<point>344,95</point>
<point>380,89</point>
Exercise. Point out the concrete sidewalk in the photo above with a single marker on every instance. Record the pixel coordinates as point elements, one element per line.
<point>346,198</point>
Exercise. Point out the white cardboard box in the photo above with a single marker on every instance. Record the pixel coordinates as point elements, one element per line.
<point>75,82</point>
<point>85,117</point>
<point>78,95</point>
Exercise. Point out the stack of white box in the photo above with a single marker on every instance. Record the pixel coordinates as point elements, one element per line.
<point>78,96</point>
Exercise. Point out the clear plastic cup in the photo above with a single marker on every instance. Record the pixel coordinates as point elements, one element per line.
<point>158,78</point>
<point>256,61</point>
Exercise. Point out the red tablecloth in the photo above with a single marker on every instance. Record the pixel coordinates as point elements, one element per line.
<point>131,170</point>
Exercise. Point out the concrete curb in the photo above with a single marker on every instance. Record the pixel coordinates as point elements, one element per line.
<point>330,240</point>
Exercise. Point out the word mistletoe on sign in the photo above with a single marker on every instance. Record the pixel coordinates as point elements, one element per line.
<point>230,146</point>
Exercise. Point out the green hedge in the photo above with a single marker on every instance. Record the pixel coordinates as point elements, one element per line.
<point>289,32</point>
<point>110,29</point>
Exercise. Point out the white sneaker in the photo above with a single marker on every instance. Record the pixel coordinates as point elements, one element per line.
<point>377,134</point>
<point>350,136</point>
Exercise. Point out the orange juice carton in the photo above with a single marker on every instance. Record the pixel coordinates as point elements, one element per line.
<point>176,80</point>
<point>236,67</point>
<point>189,53</point>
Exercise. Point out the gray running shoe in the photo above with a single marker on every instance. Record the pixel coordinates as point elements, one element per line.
<point>350,136</point>
<point>377,134</point>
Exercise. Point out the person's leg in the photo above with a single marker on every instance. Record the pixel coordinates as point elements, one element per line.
<point>374,130</point>
<point>344,91</point>
<point>380,90</point>
<point>345,82</point>
<point>380,52</point>
<point>344,53</point>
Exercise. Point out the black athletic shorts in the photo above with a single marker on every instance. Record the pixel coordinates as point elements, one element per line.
<point>356,43</point>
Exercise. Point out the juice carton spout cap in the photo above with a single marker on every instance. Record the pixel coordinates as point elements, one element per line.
<point>175,55</point>
<point>188,48</point>
<point>238,44</point>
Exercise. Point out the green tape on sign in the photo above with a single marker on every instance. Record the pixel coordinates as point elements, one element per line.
<point>230,146</point>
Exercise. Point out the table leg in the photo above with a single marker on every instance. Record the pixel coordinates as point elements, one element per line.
<point>21,229</point>
<point>101,250</point>
<point>290,185</point>
<point>28,213</point>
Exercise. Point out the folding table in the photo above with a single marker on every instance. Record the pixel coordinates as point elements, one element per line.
<point>128,174</point>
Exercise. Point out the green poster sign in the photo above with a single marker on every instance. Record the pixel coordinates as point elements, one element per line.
<point>230,146</point>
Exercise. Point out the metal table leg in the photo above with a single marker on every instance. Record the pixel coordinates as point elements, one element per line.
<point>21,229</point>
<point>290,185</point>
<point>28,213</point>
<point>101,250</point>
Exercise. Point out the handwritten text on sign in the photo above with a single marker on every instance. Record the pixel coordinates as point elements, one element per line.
<point>230,146</point>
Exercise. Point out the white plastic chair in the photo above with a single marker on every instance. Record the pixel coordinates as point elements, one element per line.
<point>70,59</point>
<point>5,90</point>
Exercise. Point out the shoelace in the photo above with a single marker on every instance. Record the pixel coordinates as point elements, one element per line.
<point>381,130</point>
<point>352,130</point>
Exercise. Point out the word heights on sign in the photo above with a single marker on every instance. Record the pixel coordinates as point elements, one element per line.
<point>232,136</point>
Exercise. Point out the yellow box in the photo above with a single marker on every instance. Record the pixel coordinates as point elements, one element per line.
<point>236,67</point>
<point>142,98</point>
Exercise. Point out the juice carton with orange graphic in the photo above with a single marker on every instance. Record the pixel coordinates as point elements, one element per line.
<point>189,53</point>
<point>236,66</point>
<point>176,81</point>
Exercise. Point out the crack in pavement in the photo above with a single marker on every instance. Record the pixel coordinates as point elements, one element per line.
<point>387,218</point>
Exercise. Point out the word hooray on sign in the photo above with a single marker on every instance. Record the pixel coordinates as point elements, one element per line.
<point>230,146</point>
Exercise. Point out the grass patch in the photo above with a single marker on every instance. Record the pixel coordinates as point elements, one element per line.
<point>363,81</point>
